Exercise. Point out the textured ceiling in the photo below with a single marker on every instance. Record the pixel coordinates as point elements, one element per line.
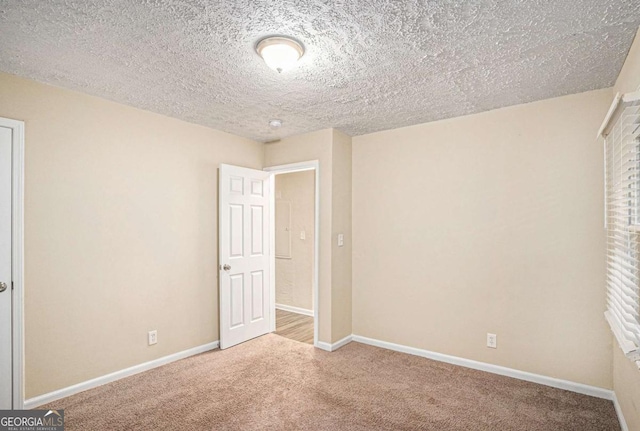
<point>370,64</point>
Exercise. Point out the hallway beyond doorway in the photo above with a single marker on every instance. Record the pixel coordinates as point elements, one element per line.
<point>294,326</point>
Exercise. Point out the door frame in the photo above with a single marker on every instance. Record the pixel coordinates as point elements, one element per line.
<point>311,165</point>
<point>17,258</point>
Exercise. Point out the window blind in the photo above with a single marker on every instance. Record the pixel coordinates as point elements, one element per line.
<point>622,220</point>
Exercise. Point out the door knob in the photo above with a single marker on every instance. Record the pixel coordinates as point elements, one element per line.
<point>3,286</point>
<point>226,267</point>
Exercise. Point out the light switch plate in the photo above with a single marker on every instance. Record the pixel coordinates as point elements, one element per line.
<point>303,235</point>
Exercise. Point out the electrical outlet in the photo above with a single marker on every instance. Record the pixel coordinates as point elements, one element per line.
<point>153,337</point>
<point>303,235</point>
<point>340,240</point>
<point>492,341</point>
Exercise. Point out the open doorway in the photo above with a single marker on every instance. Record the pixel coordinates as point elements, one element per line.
<point>295,251</point>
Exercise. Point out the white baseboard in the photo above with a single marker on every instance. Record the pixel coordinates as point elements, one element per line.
<point>335,346</point>
<point>324,346</point>
<point>293,309</point>
<point>117,375</point>
<point>346,340</point>
<point>623,423</point>
<point>495,369</point>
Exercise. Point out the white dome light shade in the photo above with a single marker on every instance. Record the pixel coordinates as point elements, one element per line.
<point>280,53</point>
<point>275,124</point>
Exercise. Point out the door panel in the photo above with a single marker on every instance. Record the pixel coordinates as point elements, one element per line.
<point>257,295</point>
<point>5,268</point>
<point>244,254</point>
<point>237,300</point>
<point>257,233</point>
<point>236,219</point>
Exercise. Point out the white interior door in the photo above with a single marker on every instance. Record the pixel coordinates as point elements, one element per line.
<point>244,254</point>
<point>5,269</point>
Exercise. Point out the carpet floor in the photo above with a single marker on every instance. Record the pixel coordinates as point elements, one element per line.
<point>272,383</point>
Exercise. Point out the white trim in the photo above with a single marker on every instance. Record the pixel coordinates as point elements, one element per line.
<point>292,309</point>
<point>17,258</point>
<point>346,340</point>
<point>293,167</point>
<point>272,252</point>
<point>605,217</point>
<point>335,346</point>
<point>490,368</point>
<point>607,118</point>
<point>117,375</point>
<point>287,169</point>
<point>615,110</point>
<point>623,422</point>
<point>324,346</point>
<point>629,348</point>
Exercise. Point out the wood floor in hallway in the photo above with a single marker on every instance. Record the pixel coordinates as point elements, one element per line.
<point>294,326</point>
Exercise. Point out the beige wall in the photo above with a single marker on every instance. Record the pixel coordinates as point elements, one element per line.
<point>294,275</point>
<point>626,385</point>
<point>120,232</point>
<point>626,377</point>
<point>629,77</point>
<point>487,223</point>
<point>341,307</point>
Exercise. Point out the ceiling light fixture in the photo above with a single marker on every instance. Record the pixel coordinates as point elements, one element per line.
<point>279,52</point>
<point>275,124</point>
